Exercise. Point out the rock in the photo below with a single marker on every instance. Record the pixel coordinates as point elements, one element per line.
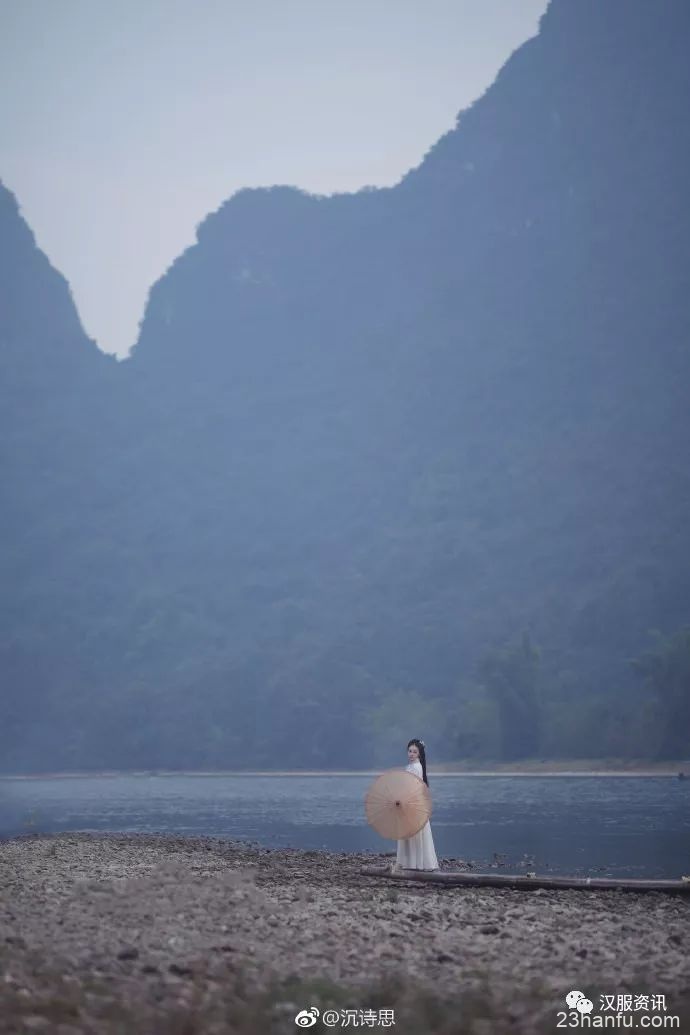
<point>332,924</point>
<point>180,970</point>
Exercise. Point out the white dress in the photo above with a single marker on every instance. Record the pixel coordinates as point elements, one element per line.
<point>417,853</point>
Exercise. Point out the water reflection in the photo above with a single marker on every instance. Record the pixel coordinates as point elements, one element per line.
<point>608,826</point>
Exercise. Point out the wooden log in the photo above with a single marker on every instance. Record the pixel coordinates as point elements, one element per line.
<point>451,878</point>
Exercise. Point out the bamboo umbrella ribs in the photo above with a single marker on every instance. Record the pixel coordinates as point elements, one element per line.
<point>397,804</point>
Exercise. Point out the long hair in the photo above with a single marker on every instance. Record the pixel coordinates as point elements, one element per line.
<point>422,756</point>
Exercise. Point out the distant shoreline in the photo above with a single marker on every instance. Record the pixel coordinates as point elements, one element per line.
<point>557,767</point>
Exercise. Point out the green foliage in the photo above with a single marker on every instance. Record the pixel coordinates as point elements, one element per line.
<point>511,677</point>
<point>665,672</point>
<point>399,716</point>
<point>471,724</point>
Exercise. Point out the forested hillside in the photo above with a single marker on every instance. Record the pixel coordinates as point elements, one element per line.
<point>405,462</point>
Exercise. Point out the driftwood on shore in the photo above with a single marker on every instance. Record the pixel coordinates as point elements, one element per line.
<point>520,882</point>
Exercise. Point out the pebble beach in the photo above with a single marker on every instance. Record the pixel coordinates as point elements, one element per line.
<point>162,934</point>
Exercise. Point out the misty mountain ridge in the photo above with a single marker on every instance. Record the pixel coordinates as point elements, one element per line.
<point>369,449</point>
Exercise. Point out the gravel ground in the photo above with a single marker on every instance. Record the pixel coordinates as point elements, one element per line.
<point>158,933</point>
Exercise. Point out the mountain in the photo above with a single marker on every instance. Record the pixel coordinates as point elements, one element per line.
<point>364,441</point>
<point>57,412</point>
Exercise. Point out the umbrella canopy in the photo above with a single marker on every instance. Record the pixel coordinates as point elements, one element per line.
<point>397,804</point>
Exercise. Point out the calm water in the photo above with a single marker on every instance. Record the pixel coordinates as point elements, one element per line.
<point>634,826</point>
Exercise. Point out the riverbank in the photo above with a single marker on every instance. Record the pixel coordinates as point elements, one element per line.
<point>533,767</point>
<point>570,767</point>
<point>168,935</point>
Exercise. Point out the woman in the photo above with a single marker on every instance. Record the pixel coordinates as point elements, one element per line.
<point>417,853</point>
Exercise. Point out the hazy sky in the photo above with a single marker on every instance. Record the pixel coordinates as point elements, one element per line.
<point>124,122</point>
